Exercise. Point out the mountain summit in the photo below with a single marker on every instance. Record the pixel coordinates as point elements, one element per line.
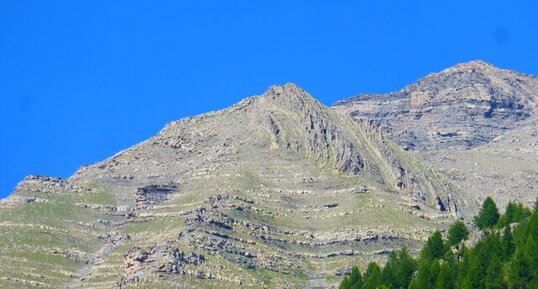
<point>464,106</point>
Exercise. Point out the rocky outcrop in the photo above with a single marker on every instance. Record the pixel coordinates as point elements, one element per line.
<point>38,183</point>
<point>154,194</point>
<point>134,260</point>
<point>160,258</point>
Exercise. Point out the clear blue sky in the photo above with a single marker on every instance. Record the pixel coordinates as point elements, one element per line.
<point>81,80</point>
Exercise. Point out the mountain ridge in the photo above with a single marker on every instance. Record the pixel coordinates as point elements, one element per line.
<point>451,108</point>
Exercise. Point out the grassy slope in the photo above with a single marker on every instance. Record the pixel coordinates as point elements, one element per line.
<point>44,243</point>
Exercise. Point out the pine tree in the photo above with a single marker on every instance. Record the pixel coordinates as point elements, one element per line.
<point>345,284</point>
<point>372,276</point>
<point>388,275</point>
<point>481,256</point>
<point>446,279</point>
<point>488,216</point>
<point>405,269</point>
<point>456,233</point>
<point>434,247</point>
<point>464,265</point>
<point>514,213</point>
<point>506,218</point>
<point>355,279</point>
<point>530,251</point>
<point>426,277</point>
<point>507,243</point>
<point>519,273</point>
<point>495,275</point>
<point>474,276</point>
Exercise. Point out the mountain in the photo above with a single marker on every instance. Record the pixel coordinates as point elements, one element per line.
<point>464,106</point>
<point>275,191</point>
<point>474,122</point>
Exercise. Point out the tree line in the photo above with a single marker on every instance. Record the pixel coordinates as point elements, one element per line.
<point>506,257</point>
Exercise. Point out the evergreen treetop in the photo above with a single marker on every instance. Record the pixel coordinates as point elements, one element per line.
<point>434,247</point>
<point>458,232</point>
<point>488,215</point>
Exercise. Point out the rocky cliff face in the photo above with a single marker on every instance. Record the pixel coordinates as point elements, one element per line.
<point>473,122</point>
<point>464,106</point>
<point>276,191</point>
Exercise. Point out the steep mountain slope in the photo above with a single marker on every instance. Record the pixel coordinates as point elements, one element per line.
<point>474,122</point>
<point>506,168</point>
<point>464,106</point>
<point>276,191</point>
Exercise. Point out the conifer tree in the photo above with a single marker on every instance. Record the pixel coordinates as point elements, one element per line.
<point>530,251</point>
<point>434,247</point>
<point>405,269</point>
<point>488,216</point>
<point>388,274</point>
<point>514,213</point>
<point>446,279</point>
<point>456,233</point>
<point>464,265</point>
<point>507,243</point>
<point>481,256</point>
<point>355,279</point>
<point>495,275</point>
<point>427,275</point>
<point>372,276</point>
<point>345,284</point>
<point>519,272</point>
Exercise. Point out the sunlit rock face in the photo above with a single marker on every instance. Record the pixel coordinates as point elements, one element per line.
<point>464,106</point>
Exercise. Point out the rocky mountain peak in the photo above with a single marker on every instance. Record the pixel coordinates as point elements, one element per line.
<point>463,106</point>
<point>475,80</point>
<point>288,96</point>
<point>285,121</point>
<point>287,90</point>
<point>473,65</point>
